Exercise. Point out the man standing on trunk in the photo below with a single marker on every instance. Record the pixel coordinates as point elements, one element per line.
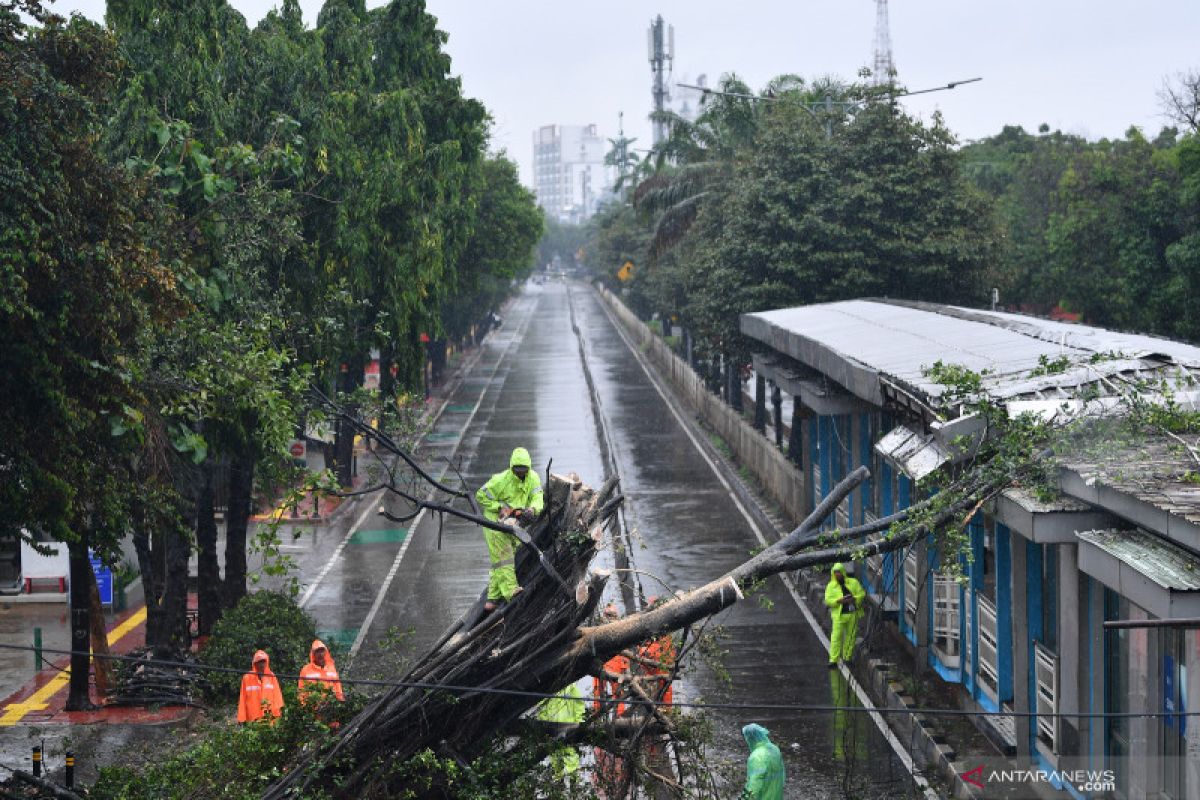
<point>513,496</point>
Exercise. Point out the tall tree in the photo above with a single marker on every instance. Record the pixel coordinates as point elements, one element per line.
<point>80,283</point>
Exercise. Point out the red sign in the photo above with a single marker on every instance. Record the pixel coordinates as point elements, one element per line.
<point>424,338</point>
<point>297,448</point>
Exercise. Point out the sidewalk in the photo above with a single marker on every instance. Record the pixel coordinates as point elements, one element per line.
<point>41,700</point>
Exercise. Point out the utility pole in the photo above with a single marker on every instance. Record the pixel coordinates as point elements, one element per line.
<point>885,68</point>
<point>660,46</point>
<point>619,156</point>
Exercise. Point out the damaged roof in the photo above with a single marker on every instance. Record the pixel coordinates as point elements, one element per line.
<point>1168,565</point>
<point>879,347</point>
<point>1160,470</point>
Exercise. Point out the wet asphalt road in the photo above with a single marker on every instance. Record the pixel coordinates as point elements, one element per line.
<point>528,389</point>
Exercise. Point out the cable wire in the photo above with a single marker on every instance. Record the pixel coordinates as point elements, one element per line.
<point>804,707</point>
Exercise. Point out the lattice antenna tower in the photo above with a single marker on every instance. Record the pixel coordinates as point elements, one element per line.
<point>884,70</point>
<point>660,47</point>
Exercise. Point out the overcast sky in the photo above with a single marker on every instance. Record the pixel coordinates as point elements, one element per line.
<point>1092,67</point>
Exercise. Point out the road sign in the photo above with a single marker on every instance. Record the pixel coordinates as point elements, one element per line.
<point>297,448</point>
<point>104,581</point>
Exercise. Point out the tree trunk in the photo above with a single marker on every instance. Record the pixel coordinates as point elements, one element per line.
<point>437,361</point>
<point>147,566</point>
<point>237,522</point>
<point>78,697</point>
<point>349,379</point>
<point>104,668</point>
<point>208,568</point>
<point>387,381</point>
<point>172,637</point>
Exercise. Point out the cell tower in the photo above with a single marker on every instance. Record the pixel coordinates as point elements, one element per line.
<point>660,46</point>
<point>885,69</point>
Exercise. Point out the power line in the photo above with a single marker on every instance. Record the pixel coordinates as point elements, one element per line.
<point>816,708</point>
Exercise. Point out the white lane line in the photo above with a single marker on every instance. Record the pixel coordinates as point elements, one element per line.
<point>387,582</point>
<point>370,505</point>
<point>901,752</point>
<point>412,530</point>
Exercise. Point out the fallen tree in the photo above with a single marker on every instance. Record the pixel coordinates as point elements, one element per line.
<point>461,698</point>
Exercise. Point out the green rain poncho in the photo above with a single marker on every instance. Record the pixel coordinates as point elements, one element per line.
<point>505,489</point>
<point>567,707</point>
<point>764,767</point>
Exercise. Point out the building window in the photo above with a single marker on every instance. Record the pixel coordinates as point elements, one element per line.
<point>946,619</point>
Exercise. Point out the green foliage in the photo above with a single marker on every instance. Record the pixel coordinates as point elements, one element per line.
<point>225,762</point>
<point>1107,229</point>
<point>1050,366</point>
<point>261,621</point>
<point>79,281</point>
<point>770,204</point>
<point>508,771</point>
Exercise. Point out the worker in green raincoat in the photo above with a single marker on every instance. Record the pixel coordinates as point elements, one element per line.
<point>514,494</point>
<point>845,597</point>
<point>567,707</point>
<point>764,767</point>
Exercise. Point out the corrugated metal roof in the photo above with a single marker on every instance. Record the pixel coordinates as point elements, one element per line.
<point>914,454</point>
<point>1031,503</point>
<point>1166,564</point>
<point>1156,469</point>
<point>858,342</point>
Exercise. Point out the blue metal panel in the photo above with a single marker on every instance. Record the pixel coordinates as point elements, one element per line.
<point>1004,604</point>
<point>975,531</point>
<point>814,456</point>
<point>824,439</point>
<point>890,560</point>
<point>864,459</point>
<point>1033,627</point>
<point>905,492</point>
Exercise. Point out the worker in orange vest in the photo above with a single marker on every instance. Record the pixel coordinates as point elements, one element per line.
<point>617,665</point>
<point>260,696</point>
<point>320,673</point>
<point>610,772</point>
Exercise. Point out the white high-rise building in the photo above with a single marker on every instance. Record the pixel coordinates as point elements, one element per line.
<point>569,175</point>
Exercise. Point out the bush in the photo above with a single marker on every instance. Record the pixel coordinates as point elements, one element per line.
<point>227,762</point>
<point>261,621</point>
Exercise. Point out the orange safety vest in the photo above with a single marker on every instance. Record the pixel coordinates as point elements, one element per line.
<point>313,675</point>
<point>603,689</point>
<point>661,651</point>
<point>260,695</point>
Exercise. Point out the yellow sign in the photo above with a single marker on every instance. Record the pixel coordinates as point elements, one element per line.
<point>625,272</point>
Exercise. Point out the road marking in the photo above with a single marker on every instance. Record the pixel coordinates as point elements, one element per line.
<point>40,700</point>
<point>383,589</point>
<point>901,752</point>
<point>370,506</point>
<point>387,582</point>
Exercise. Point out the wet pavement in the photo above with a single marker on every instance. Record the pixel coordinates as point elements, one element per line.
<point>529,389</point>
